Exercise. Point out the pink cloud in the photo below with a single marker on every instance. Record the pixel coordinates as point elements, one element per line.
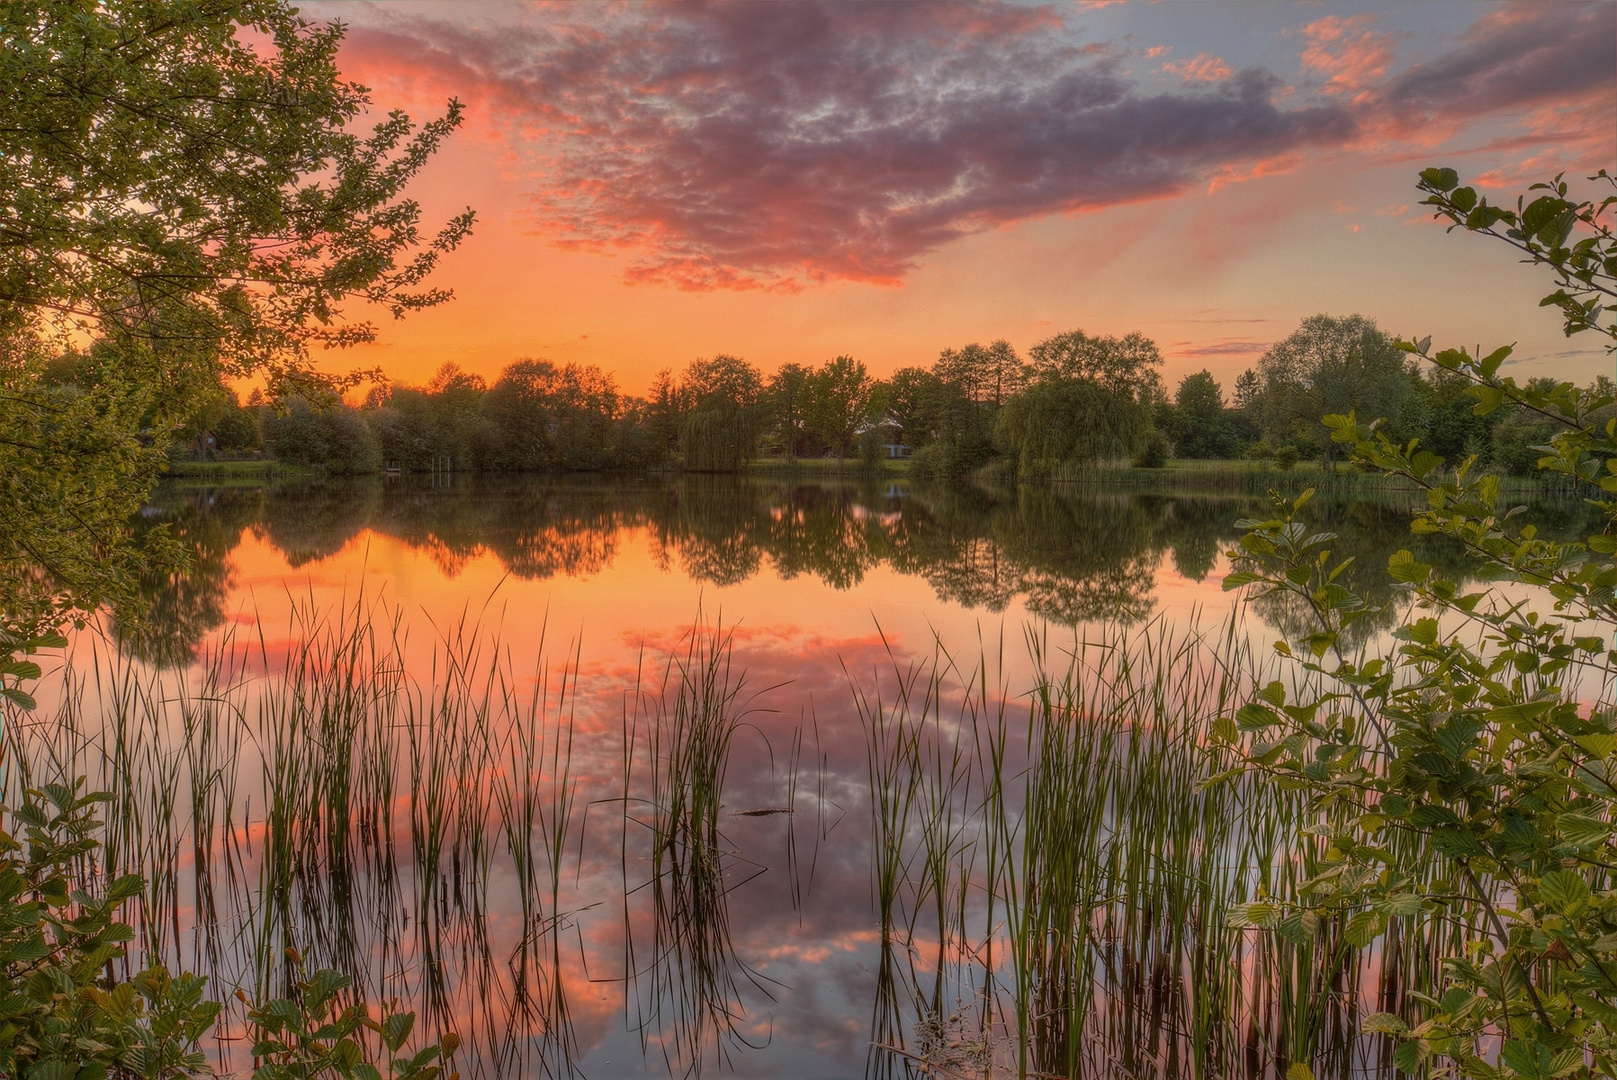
<point>1222,347</point>
<point>1203,67</point>
<point>1350,55</point>
<point>744,146</point>
<point>1275,166</point>
<point>781,146</point>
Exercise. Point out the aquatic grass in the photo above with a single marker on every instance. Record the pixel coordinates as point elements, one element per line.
<point>1052,865</point>
<point>691,994</point>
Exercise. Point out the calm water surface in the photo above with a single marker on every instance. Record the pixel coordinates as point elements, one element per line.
<point>584,953</point>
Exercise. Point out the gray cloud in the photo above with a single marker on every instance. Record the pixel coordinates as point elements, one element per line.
<point>1522,57</point>
<point>772,145</point>
<point>767,144</point>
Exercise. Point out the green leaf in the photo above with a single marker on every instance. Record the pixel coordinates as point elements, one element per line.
<point>1528,1059</point>
<point>1403,566</point>
<point>396,1030</point>
<point>1299,1071</point>
<point>1364,927</point>
<point>1582,831</point>
<point>1255,717</point>
<point>1441,180</point>
<point>1564,890</point>
<point>1401,904</point>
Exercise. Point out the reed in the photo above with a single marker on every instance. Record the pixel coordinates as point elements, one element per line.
<point>1052,865</point>
<point>691,995</point>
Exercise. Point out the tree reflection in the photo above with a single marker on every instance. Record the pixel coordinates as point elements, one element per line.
<point>1067,554</point>
<point>174,608</point>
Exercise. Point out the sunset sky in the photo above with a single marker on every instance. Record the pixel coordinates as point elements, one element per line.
<point>789,182</point>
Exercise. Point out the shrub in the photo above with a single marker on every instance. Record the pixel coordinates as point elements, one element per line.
<point>65,1016</point>
<point>873,449</point>
<point>337,439</point>
<point>1153,452</point>
<point>1285,457</point>
<point>947,459</point>
<point>1461,781</point>
<point>60,1014</point>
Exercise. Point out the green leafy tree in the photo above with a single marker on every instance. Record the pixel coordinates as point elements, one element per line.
<point>989,374</point>
<point>186,184</point>
<point>547,416</point>
<point>789,395</point>
<point>725,416</point>
<point>334,438</point>
<point>1465,780</point>
<point>1451,427</point>
<point>1056,421</point>
<point>1127,365</point>
<point>1199,424</point>
<point>1331,365</point>
<point>1086,398</point>
<point>839,402</point>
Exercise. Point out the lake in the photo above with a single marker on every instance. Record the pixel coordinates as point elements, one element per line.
<point>717,775</point>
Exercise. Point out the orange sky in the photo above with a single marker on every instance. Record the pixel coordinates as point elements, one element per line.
<point>787,183</point>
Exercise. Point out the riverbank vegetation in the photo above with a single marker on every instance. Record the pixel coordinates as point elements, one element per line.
<point>1077,408</point>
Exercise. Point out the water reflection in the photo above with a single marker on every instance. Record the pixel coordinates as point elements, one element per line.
<point>1067,555</point>
<point>177,608</point>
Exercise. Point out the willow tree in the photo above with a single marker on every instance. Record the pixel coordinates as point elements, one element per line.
<point>185,186</point>
<point>727,411</point>
<point>1069,420</point>
<point>1087,399</point>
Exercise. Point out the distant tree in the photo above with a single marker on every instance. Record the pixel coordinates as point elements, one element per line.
<point>987,374</point>
<point>839,402</point>
<point>789,395</point>
<point>332,437</point>
<point>1199,425</point>
<point>908,392</point>
<point>1450,425</point>
<point>1126,365</point>
<point>548,416</point>
<point>665,412</point>
<point>1332,365</point>
<point>723,382</point>
<point>1248,389</point>
<point>237,429</point>
<point>1058,420</point>
<point>1086,398</point>
<point>725,398</point>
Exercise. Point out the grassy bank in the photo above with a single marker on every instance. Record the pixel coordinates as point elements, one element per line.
<point>260,469</point>
<point>1243,475</point>
<point>826,467</point>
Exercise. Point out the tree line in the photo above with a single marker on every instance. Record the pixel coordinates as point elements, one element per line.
<point>1074,399</point>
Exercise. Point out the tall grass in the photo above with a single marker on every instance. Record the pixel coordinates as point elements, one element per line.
<point>1051,865</point>
<point>1106,840</point>
<point>691,993</point>
<point>317,796</point>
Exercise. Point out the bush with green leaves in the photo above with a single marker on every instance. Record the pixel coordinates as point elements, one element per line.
<point>1153,451</point>
<point>1465,779</point>
<point>61,1016</point>
<point>65,1015</point>
<point>314,1034</point>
